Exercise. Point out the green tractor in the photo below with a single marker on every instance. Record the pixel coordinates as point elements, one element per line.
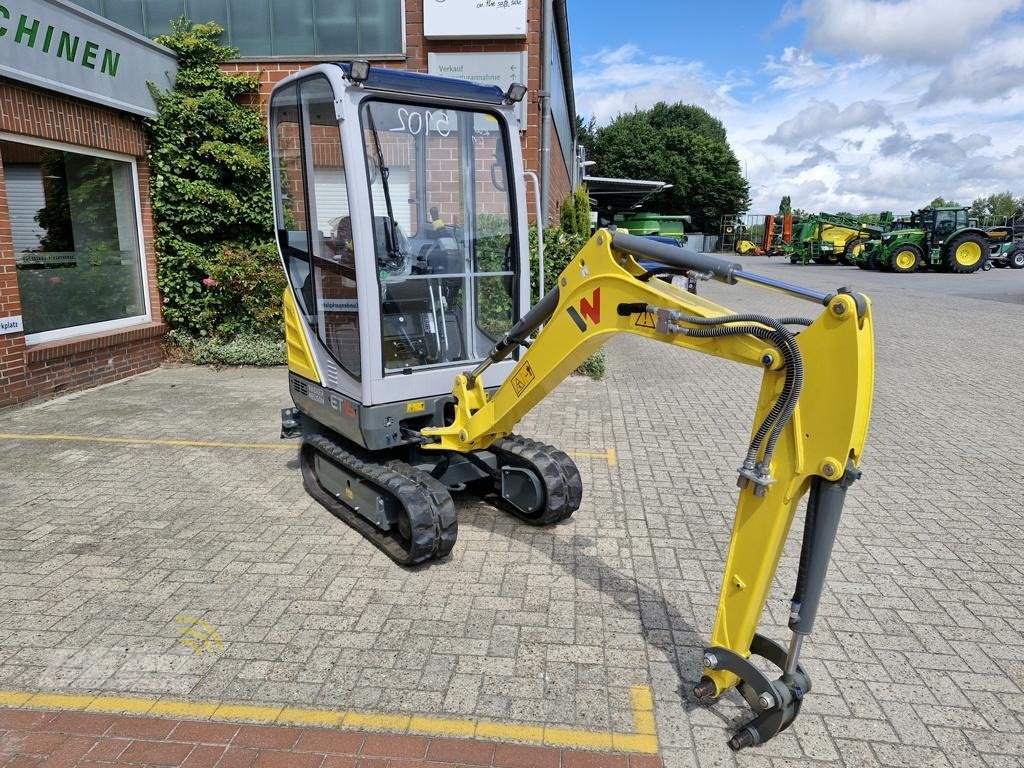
<point>942,238</point>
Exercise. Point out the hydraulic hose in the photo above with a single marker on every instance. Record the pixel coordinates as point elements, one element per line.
<point>770,329</point>
<point>785,395</point>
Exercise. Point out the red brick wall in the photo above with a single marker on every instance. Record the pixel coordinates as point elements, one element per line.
<point>43,370</point>
<point>417,48</point>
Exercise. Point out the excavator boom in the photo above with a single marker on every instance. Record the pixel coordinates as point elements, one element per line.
<point>809,429</point>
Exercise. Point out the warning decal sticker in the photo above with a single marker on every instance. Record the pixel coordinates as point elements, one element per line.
<point>522,378</point>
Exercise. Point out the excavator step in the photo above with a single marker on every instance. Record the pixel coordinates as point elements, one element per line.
<point>402,510</point>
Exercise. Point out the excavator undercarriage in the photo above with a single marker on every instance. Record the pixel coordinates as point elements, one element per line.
<point>401,500</point>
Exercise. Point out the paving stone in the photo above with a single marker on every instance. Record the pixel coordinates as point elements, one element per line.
<point>919,638</point>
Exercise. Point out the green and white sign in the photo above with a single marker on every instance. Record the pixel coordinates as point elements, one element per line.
<point>500,69</point>
<point>61,47</point>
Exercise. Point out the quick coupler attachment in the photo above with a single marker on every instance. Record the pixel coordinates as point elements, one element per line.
<point>777,701</point>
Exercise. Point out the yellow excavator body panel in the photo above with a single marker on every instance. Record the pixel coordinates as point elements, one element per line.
<point>300,357</point>
<point>402,314</point>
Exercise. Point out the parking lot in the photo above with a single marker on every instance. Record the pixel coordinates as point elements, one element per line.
<point>130,510</point>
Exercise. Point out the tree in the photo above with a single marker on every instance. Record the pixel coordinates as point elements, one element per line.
<point>218,267</point>
<point>574,215</point>
<point>995,208</point>
<point>941,202</point>
<point>682,145</point>
<point>785,206</point>
<point>585,132</point>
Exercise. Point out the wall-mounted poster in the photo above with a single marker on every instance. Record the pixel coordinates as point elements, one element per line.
<point>474,18</point>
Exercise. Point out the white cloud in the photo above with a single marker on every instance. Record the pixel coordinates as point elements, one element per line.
<point>818,155</point>
<point>887,128</point>
<point>823,119</point>
<point>994,69</point>
<point>797,69</point>
<point>930,31</point>
<point>614,82</point>
<point>612,56</point>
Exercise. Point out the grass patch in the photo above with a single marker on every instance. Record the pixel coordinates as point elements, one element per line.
<point>593,366</point>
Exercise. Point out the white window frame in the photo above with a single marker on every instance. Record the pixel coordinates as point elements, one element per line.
<point>73,331</point>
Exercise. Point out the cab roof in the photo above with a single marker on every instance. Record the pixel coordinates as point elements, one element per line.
<point>418,84</point>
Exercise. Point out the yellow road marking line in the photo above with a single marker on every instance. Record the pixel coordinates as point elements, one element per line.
<point>145,441</point>
<point>643,741</point>
<point>123,704</point>
<point>608,455</point>
<point>193,710</point>
<point>442,726</point>
<point>59,701</point>
<point>643,710</point>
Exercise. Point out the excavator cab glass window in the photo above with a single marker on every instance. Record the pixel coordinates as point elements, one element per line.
<point>444,232</point>
<point>314,230</point>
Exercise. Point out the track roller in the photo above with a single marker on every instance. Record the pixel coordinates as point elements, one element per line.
<point>405,512</point>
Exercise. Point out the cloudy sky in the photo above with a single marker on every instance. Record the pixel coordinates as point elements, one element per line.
<point>857,105</point>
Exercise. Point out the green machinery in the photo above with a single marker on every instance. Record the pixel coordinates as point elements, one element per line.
<point>828,238</point>
<point>942,238</point>
<point>1007,244</point>
<point>638,223</point>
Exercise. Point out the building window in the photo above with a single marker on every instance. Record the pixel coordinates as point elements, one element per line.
<point>261,28</point>
<point>75,231</point>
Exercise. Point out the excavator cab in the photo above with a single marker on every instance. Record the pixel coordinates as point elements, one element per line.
<point>398,201</point>
<point>399,218</point>
<point>413,352</point>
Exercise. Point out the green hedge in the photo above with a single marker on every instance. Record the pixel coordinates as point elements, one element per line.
<point>218,268</point>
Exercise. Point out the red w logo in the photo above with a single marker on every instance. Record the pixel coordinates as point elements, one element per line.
<point>589,309</point>
<point>592,311</point>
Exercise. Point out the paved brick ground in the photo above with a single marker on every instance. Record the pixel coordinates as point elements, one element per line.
<point>29,739</point>
<point>918,657</point>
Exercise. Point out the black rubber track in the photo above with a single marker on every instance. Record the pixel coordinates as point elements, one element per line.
<point>427,503</point>
<point>563,487</point>
<point>573,481</point>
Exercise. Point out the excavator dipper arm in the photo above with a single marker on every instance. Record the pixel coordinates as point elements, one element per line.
<point>809,430</point>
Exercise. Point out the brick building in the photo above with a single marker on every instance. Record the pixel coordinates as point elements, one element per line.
<point>495,42</point>
<point>78,297</point>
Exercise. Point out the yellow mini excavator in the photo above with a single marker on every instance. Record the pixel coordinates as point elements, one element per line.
<point>413,351</point>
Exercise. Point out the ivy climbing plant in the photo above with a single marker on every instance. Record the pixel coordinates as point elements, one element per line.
<point>217,267</point>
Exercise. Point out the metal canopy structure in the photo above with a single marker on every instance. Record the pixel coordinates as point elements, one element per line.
<point>611,196</point>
